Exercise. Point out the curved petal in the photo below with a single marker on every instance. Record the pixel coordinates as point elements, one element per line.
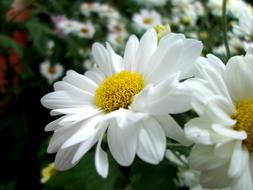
<point>147,46</point>
<point>172,129</point>
<point>63,159</point>
<point>238,77</point>
<point>212,178</point>
<point>239,160</point>
<point>96,75</point>
<point>101,159</point>
<point>103,59</point>
<point>122,143</point>
<point>151,142</point>
<point>115,59</point>
<point>80,81</point>
<point>203,158</point>
<point>130,52</point>
<point>86,129</point>
<point>125,117</point>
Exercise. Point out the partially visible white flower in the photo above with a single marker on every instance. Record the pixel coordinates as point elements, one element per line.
<point>135,115</point>
<point>86,30</point>
<point>223,131</point>
<point>238,7</point>
<point>51,72</point>
<point>244,28</point>
<point>146,19</point>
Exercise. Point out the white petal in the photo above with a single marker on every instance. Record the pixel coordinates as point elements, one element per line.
<point>64,157</point>
<point>125,117</point>
<point>122,143</point>
<point>147,46</point>
<point>85,130</point>
<point>115,59</point>
<point>86,145</point>
<point>239,160</point>
<point>84,110</point>
<point>238,77</point>
<point>102,58</point>
<point>229,132</point>
<point>80,81</point>
<point>96,75</point>
<point>53,125</point>
<point>203,158</point>
<point>244,181</point>
<point>61,99</point>
<point>101,159</point>
<point>172,129</point>
<point>151,142</point>
<point>216,178</point>
<point>59,137</point>
<point>197,130</point>
<point>130,52</point>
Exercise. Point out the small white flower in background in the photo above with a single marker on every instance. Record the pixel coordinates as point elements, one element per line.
<point>89,64</point>
<point>50,47</point>
<point>109,11</point>
<point>86,30</point>
<point>125,97</point>
<point>150,3</point>
<point>236,7</point>
<point>146,19</point>
<point>69,26</point>
<point>244,29</point>
<point>223,131</point>
<point>47,172</point>
<point>236,46</point>
<point>117,40</point>
<point>116,26</point>
<point>89,7</point>
<point>51,72</point>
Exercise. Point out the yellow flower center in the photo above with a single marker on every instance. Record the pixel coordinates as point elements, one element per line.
<point>244,118</point>
<point>118,90</point>
<point>147,20</point>
<point>162,30</point>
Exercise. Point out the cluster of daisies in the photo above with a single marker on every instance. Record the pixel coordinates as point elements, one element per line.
<point>125,104</point>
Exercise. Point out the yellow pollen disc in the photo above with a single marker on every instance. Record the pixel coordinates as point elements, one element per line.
<point>118,90</point>
<point>244,118</point>
<point>147,20</point>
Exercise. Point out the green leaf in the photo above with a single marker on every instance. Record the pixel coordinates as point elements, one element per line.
<point>84,176</point>
<point>149,177</point>
<point>7,42</point>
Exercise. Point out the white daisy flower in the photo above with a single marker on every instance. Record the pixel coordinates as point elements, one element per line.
<point>127,97</point>
<point>146,19</point>
<point>86,30</point>
<point>109,11</point>
<point>223,131</point>
<point>89,64</point>
<point>51,72</point>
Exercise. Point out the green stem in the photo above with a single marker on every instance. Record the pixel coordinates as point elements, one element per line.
<point>225,29</point>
